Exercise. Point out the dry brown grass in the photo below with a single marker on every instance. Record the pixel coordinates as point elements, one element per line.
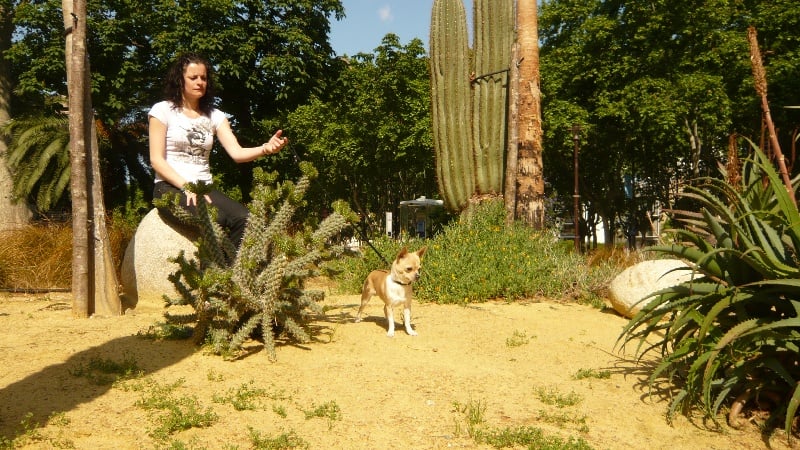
<point>36,257</point>
<point>39,256</point>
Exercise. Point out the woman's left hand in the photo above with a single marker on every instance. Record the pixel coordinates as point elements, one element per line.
<point>275,143</point>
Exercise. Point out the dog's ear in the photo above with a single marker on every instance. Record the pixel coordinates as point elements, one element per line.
<point>403,252</point>
<point>421,251</point>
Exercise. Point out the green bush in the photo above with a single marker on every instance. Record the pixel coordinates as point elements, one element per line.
<point>478,258</point>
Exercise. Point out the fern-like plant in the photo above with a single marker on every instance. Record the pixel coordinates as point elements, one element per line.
<point>261,287</point>
<point>732,333</point>
<point>38,156</point>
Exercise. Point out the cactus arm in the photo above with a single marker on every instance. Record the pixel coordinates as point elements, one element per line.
<point>451,102</point>
<point>494,34</point>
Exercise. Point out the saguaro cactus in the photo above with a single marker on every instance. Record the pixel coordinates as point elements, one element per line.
<point>451,107</point>
<point>469,99</point>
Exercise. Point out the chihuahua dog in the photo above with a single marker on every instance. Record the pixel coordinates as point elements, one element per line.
<point>394,287</point>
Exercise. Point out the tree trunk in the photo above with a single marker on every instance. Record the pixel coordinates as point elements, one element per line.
<point>13,214</point>
<point>94,281</point>
<point>530,177</point>
<point>510,188</point>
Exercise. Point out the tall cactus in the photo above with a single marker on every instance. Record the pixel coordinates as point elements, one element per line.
<point>450,92</point>
<point>469,100</point>
<point>494,35</point>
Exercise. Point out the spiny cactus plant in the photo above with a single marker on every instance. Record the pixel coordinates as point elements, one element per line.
<point>469,97</point>
<point>261,289</point>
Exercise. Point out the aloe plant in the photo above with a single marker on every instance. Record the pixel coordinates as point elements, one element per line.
<point>732,333</point>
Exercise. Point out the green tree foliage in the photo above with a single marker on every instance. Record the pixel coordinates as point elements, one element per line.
<point>371,135</point>
<point>261,288</point>
<point>269,57</point>
<point>731,333</point>
<point>645,79</point>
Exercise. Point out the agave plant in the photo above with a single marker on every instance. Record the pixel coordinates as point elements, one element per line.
<point>731,334</point>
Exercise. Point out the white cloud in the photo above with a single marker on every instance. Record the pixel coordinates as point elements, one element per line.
<point>385,14</point>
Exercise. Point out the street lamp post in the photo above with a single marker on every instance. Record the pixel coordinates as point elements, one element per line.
<point>576,137</point>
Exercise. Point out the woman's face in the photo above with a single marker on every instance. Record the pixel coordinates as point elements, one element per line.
<point>194,81</point>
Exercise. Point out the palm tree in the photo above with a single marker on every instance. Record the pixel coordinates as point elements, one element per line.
<point>38,158</point>
<point>14,214</point>
<point>530,177</point>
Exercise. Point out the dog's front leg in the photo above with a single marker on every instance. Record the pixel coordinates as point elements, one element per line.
<point>407,321</point>
<point>389,313</point>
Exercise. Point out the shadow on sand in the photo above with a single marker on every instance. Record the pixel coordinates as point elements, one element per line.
<point>56,388</point>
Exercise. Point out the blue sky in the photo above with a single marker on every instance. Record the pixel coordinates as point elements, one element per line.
<point>368,21</point>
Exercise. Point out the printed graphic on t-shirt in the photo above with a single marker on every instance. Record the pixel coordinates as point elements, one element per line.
<point>199,138</point>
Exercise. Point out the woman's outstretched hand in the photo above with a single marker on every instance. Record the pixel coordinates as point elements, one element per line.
<point>275,143</point>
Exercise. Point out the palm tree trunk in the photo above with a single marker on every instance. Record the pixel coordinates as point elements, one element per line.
<point>13,214</point>
<point>530,177</point>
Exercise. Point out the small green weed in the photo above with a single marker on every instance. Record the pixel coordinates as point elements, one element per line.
<point>518,339</point>
<point>173,413</point>
<point>529,437</point>
<point>592,373</point>
<point>214,376</point>
<point>245,397</point>
<point>561,419</point>
<point>329,410</point>
<point>28,434</point>
<point>473,412</point>
<point>107,371</point>
<point>551,396</point>
<point>167,331</point>
<point>283,441</point>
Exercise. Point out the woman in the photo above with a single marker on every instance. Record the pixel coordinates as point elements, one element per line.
<point>182,130</point>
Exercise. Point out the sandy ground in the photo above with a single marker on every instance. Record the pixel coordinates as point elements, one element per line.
<point>352,389</point>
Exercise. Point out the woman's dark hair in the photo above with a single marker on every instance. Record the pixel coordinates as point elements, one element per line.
<point>173,83</point>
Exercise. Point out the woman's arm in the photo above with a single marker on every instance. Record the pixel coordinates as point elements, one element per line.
<point>245,154</point>
<point>158,154</point>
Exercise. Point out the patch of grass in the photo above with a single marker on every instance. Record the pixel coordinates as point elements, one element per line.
<point>283,441</point>
<point>172,413</point>
<point>280,410</point>
<point>29,434</point>
<point>214,376</point>
<point>473,413</point>
<point>529,437</point>
<point>517,339</point>
<point>329,410</point>
<point>167,331</point>
<point>582,374</point>
<point>562,419</point>
<point>551,396</point>
<point>103,371</point>
<point>246,397</point>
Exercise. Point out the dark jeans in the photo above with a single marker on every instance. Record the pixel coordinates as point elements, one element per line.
<point>231,215</point>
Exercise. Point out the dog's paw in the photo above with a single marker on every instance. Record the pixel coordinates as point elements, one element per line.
<point>411,333</point>
<point>390,333</point>
<point>357,319</point>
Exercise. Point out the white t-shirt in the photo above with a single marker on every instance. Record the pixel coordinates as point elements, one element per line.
<point>189,140</point>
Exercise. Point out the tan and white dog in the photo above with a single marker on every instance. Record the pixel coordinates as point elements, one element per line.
<point>394,287</point>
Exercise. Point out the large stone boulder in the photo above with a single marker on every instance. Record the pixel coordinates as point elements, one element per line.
<point>642,279</point>
<point>145,266</point>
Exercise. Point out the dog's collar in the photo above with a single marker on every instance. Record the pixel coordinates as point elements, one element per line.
<point>401,284</point>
